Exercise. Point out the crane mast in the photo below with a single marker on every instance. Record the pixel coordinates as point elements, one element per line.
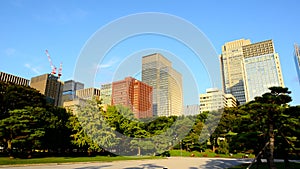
<point>53,72</point>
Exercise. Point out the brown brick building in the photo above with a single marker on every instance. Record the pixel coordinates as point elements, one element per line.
<point>50,86</point>
<point>134,94</point>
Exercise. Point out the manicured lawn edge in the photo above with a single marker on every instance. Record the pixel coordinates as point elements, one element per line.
<point>280,165</point>
<point>207,154</point>
<point>62,160</point>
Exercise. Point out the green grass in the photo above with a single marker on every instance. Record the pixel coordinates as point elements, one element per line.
<point>265,166</point>
<point>206,154</point>
<point>9,161</point>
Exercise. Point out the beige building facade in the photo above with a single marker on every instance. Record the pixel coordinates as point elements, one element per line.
<point>215,99</point>
<point>88,93</point>
<point>157,72</point>
<point>231,69</point>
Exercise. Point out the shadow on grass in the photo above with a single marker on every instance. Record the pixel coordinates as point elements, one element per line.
<point>94,167</point>
<point>144,166</point>
<point>224,163</point>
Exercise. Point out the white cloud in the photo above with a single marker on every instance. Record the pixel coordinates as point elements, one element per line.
<point>10,51</point>
<point>34,69</point>
<point>109,64</point>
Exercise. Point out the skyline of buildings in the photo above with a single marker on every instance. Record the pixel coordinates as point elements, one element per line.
<point>157,71</point>
<point>247,70</point>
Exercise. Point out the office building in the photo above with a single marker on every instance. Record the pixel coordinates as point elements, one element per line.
<point>157,72</point>
<point>215,99</point>
<point>71,105</point>
<point>105,95</point>
<point>231,69</point>
<point>261,68</point>
<point>88,93</point>
<point>297,60</point>
<point>133,94</point>
<point>9,78</point>
<point>50,86</point>
<point>69,90</point>
<point>230,101</point>
<point>81,97</point>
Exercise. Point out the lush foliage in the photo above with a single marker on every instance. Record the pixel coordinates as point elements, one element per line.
<point>28,124</point>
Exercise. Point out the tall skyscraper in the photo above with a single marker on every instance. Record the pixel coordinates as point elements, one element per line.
<point>231,69</point>
<point>133,94</point>
<point>261,68</point>
<point>297,60</point>
<point>50,86</point>
<point>9,78</point>
<point>157,72</point>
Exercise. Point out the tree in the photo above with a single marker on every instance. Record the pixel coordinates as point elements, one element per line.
<point>267,113</point>
<point>22,129</point>
<point>91,128</point>
<point>57,129</point>
<point>14,96</point>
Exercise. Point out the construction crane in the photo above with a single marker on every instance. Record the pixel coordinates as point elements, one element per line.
<point>53,72</point>
<point>60,70</point>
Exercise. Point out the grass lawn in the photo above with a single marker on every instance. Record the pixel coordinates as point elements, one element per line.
<point>9,161</point>
<point>265,166</point>
<point>206,154</point>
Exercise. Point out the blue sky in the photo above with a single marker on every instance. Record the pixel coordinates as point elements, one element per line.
<point>28,27</point>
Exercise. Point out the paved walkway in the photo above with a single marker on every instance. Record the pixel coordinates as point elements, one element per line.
<point>169,163</point>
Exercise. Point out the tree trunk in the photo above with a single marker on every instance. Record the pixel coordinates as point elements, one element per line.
<point>9,148</point>
<point>286,160</point>
<point>139,150</point>
<point>258,162</point>
<point>271,146</point>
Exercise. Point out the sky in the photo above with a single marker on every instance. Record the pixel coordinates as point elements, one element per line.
<point>64,28</point>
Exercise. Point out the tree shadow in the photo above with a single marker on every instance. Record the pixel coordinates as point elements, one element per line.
<point>94,167</point>
<point>146,166</point>
<point>224,163</point>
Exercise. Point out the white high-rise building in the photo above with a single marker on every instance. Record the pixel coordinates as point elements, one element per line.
<point>215,99</point>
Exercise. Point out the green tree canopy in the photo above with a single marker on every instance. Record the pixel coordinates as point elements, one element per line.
<point>22,129</point>
<point>14,96</point>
